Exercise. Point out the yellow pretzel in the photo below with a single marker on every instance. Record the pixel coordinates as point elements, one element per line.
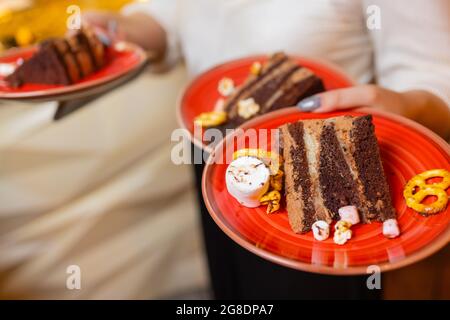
<point>211,119</point>
<point>435,207</point>
<point>414,199</point>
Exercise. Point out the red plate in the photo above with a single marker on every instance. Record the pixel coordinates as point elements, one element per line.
<point>201,94</point>
<point>123,59</point>
<point>406,150</point>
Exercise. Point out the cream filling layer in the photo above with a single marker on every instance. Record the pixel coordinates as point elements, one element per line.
<point>312,133</point>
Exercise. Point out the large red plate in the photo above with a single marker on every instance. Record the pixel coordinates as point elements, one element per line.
<point>406,150</point>
<point>201,94</point>
<point>123,59</point>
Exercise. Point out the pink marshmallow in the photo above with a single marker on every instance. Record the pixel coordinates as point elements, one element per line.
<point>349,214</point>
<point>390,228</point>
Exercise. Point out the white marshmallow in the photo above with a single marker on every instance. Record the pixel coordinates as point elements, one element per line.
<point>247,180</point>
<point>349,214</point>
<point>390,228</point>
<point>321,230</point>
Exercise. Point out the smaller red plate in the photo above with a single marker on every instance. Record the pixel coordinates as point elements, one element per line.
<point>123,59</point>
<point>201,94</point>
<point>406,149</point>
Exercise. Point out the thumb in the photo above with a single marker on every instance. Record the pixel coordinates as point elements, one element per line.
<point>346,98</point>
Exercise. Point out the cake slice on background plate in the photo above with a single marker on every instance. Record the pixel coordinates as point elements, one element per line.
<point>280,82</point>
<point>62,61</point>
<point>331,164</point>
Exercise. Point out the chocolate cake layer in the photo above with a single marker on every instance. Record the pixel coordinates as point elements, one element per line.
<point>370,169</point>
<point>68,59</point>
<point>299,200</point>
<point>81,52</point>
<point>330,164</point>
<point>336,181</point>
<point>96,47</point>
<point>301,84</point>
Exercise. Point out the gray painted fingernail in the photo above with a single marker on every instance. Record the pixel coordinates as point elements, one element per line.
<point>310,103</point>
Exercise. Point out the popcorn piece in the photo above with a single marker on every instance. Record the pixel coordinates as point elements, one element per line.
<point>247,108</point>
<point>390,228</point>
<point>272,200</point>
<point>342,235</point>
<point>256,67</point>
<point>342,232</point>
<point>321,230</point>
<point>211,119</point>
<point>226,87</point>
<point>349,214</point>
<point>342,225</point>
<point>276,181</point>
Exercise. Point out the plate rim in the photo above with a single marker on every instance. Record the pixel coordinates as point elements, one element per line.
<point>328,64</point>
<point>438,243</point>
<point>74,88</point>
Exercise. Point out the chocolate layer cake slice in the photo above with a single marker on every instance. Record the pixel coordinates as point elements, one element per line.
<point>330,164</point>
<point>280,83</point>
<point>62,61</point>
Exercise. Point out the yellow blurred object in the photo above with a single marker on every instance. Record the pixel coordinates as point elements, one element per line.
<point>210,119</point>
<point>46,18</point>
<point>24,36</point>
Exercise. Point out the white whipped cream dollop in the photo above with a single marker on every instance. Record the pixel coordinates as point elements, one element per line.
<point>390,228</point>
<point>349,214</point>
<point>321,230</point>
<point>247,180</point>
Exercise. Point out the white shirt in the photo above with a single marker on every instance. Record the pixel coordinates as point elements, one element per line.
<point>411,50</point>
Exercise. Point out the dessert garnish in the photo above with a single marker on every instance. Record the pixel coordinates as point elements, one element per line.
<point>349,214</point>
<point>248,108</point>
<point>271,159</point>
<point>276,181</point>
<point>390,228</point>
<point>255,68</point>
<point>417,189</point>
<point>225,87</point>
<point>342,232</point>
<point>321,230</point>
<point>272,200</point>
<point>210,119</point>
<point>247,180</point>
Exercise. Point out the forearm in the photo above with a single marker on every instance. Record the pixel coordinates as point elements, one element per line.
<point>142,29</point>
<point>138,28</point>
<point>427,109</point>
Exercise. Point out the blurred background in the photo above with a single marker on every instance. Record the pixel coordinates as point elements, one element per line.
<point>21,23</point>
<point>94,185</point>
<point>96,188</point>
